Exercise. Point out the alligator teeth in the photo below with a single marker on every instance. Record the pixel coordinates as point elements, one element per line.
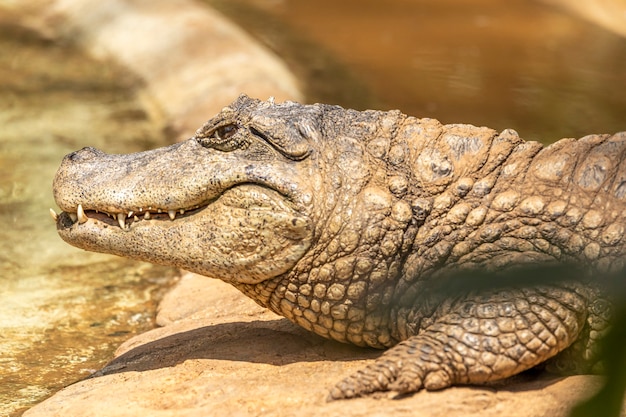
<point>121,219</point>
<point>54,215</point>
<point>181,211</point>
<point>172,214</point>
<point>73,216</point>
<point>130,214</point>
<point>147,215</point>
<point>80,214</point>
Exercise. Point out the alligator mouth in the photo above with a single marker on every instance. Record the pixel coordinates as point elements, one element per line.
<point>247,233</point>
<point>124,220</point>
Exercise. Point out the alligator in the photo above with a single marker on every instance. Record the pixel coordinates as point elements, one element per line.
<point>347,222</point>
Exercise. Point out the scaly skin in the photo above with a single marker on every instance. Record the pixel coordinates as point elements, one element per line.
<point>345,222</point>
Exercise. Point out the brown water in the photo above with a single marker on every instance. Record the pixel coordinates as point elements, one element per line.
<point>512,64</point>
<point>517,63</point>
<point>62,311</point>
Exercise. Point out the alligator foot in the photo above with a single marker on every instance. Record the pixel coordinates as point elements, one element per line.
<point>412,365</point>
<point>478,339</point>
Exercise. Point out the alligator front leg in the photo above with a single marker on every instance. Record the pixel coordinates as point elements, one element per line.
<point>479,338</point>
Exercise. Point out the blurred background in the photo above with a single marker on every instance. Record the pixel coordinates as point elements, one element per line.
<point>129,75</point>
<point>537,67</point>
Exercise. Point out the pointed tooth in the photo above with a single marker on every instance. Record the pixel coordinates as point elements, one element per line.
<point>130,214</point>
<point>146,216</point>
<point>140,209</point>
<point>121,219</point>
<point>181,211</point>
<point>159,210</point>
<point>136,218</point>
<point>73,216</point>
<point>54,215</point>
<point>80,214</point>
<point>172,214</point>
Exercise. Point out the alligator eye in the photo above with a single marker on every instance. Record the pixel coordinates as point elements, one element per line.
<point>222,138</point>
<point>225,132</point>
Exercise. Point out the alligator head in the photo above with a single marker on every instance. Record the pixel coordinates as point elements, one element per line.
<point>237,201</point>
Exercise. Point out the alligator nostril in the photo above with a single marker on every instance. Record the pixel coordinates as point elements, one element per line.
<point>84,154</point>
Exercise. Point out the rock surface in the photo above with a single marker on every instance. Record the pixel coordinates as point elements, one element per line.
<point>219,353</point>
<point>609,14</point>
<point>192,60</point>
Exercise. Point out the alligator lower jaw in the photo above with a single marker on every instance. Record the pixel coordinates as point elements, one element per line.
<point>125,220</point>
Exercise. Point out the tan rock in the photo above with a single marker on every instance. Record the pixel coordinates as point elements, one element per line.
<point>609,14</point>
<point>221,354</point>
<point>192,60</point>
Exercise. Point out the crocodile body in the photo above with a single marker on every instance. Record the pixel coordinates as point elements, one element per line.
<point>345,222</point>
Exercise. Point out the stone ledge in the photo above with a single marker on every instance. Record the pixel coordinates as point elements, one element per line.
<point>191,59</point>
<point>221,354</point>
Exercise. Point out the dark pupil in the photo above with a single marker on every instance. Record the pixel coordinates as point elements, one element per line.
<point>226,132</point>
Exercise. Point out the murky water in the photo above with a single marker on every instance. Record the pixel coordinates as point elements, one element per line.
<point>519,64</point>
<point>62,310</point>
<point>514,64</point>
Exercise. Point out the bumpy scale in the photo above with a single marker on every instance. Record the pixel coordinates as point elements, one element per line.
<point>349,223</point>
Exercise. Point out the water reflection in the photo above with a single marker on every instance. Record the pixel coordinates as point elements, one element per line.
<point>62,311</point>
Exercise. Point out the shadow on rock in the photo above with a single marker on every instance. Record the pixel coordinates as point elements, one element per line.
<point>276,342</point>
